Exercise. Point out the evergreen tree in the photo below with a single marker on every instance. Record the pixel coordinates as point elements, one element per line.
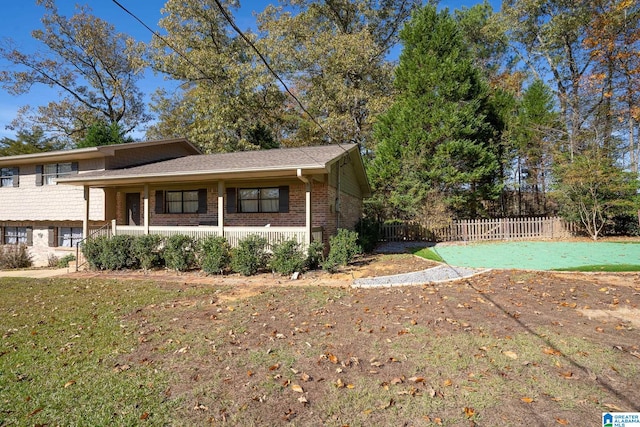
<point>436,139</point>
<point>101,133</point>
<point>29,143</point>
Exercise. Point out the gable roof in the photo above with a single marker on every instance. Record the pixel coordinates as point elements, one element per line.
<point>91,152</point>
<point>280,162</point>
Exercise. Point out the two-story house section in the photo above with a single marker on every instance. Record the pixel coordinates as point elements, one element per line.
<point>48,217</point>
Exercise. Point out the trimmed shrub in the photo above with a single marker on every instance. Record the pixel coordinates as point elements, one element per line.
<point>214,254</point>
<point>287,257</point>
<point>343,247</point>
<point>15,256</point>
<point>180,252</point>
<point>117,254</point>
<point>92,250</point>
<point>64,261</point>
<point>315,255</point>
<point>147,250</point>
<point>368,234</point>
<point>250,256</point>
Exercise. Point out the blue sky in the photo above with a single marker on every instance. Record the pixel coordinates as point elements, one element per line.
<point>19,17</point>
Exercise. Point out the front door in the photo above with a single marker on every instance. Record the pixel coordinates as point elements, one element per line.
<point>133,208</point>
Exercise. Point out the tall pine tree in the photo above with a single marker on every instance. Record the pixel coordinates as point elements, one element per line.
<point>435,146</point>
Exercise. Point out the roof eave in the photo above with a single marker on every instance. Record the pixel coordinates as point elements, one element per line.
<point>185,177</point>
<point>89,152</point>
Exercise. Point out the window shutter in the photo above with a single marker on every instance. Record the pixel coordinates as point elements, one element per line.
<point>74,167</point>
<point>52,237</point>
<point>159,201</point>
<point>29,236</point>
<point>231,200</point>
<point>16,177</point>
<point>202,200</point>
<point>284,198</point>
<point>39,169</point>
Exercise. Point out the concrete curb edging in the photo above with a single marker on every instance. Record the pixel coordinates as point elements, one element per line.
<point>439,274</point>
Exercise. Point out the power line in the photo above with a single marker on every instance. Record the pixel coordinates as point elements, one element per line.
<point>155,33</point>
<point>266,64</point>
<point>231,22</point>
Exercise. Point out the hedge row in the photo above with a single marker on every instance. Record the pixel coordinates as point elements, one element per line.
<point>213,255</point>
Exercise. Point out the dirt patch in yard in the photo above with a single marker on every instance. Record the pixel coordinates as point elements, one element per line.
<point>507,347</point>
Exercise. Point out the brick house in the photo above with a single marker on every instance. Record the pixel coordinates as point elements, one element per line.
<point>170,187</point>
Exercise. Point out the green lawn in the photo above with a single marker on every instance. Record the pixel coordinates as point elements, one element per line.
<point>544,255</point>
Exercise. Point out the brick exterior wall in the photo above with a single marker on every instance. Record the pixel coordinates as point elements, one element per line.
<point>323,199</point>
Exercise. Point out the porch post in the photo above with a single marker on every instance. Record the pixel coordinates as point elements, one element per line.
<point>145,202</point>
<point>307,208</point>
<point>221,190</point>
<point>85,220</point>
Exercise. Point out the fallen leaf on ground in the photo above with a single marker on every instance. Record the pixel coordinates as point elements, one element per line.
<point>510,354</point>
<point>527,399</point>
<point>612,407</point>
<point>551,351</point>
<point>297,388</point>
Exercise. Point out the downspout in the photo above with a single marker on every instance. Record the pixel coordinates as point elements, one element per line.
<point>307,238</point>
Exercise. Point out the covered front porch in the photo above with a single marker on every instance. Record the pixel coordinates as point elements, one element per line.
<point>214,208</point>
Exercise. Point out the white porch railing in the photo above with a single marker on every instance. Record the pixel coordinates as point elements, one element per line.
<point>232,234</point>
<point>197,232</point>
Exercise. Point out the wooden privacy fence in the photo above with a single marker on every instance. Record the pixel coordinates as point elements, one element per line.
<point>481,229</point>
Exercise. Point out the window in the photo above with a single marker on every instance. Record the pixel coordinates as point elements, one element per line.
<point>55,170</point>
<point>275,199</point>
<point>69,236</point>
<point>178,202</point>
<point>182,201</point>
<point>8,177</point>
<point>259,200</point>
<point>47,174</point>
<point>15,235</point>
